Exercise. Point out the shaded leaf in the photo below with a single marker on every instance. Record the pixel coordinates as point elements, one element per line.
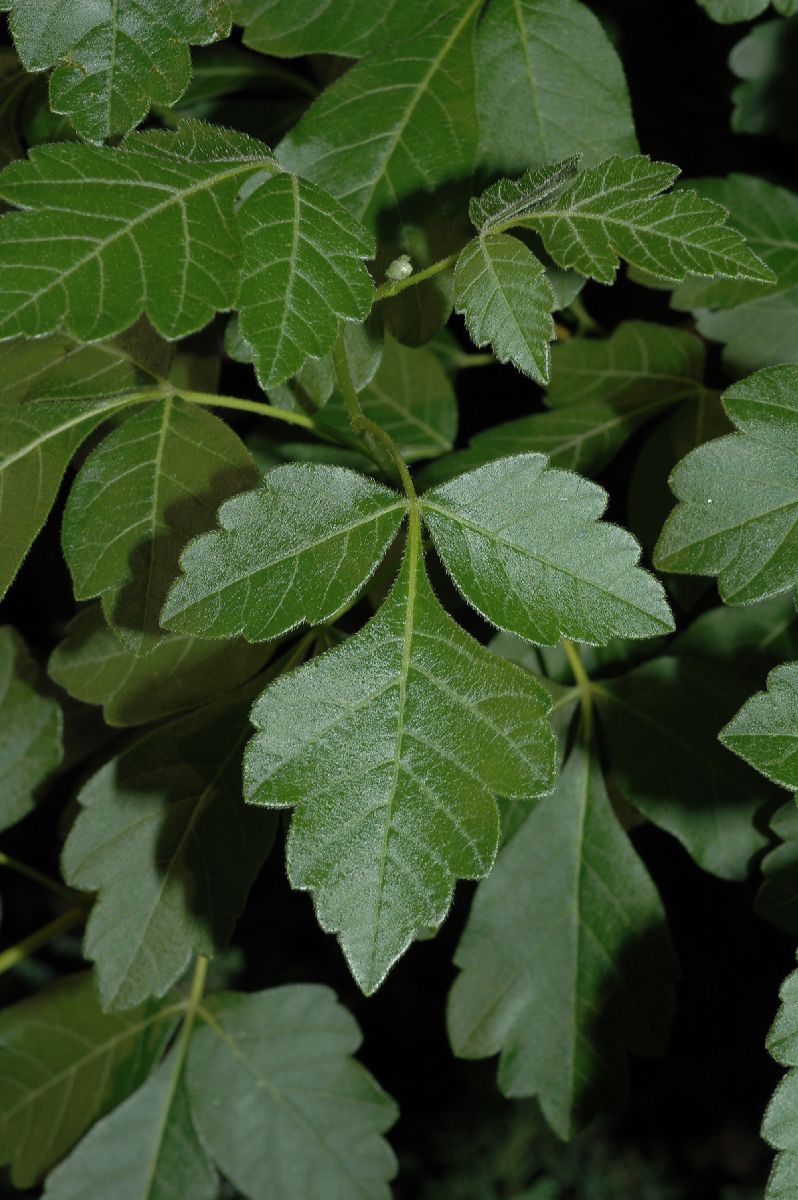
<point>766,101</point>
<point>289,28</point>
<point>30,730</point>
<point>765,730</point>
<point>727,12</point>
<point>777,898</point>
<point>780,1123</point>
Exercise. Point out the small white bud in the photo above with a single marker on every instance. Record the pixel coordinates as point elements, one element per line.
<point>399,269</point>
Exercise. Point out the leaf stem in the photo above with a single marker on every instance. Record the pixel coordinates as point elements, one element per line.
<point>392,288</point>
<point>193,1003</point>
<point>464,361</point>
<point>582,680</point>
<point>29,945</point>
<point>37,876</point>
<point>211,400</point>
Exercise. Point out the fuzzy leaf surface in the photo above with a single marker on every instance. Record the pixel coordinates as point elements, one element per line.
<point>765,730</point>
<point>350,28</point>
<point>507,300</point>
<point>391,748</point>
<point>524,545</point>
<point>281,1104</point>
<point>779,1125</point>
<point>297,549</point>
<point>558,975</point>
<point>508,199</point>
<point>738,495</point>
<point>30,730</point>
<point>110,233</point>
<point>114,58</point>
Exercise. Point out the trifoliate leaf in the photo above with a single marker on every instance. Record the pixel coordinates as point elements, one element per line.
<point>524,545</point>
<point>280,1103</point>
<point>766,101</point>
<point>765,730</point>
<point>164,838</point>
<point>30,730</point>
<point>757,323</point>
<point>411,398</point>
<point>781,1118</point>
<point>727,12</point>
<point>509,199</point>
<point>565,959</point>
<point>289,28</point>
<point>296,550</point>
<point>115,58</point>
<point>504,293</point>
<point>396,124</point>
<point>146,1149</point>
<point>65,1063</point>
<point>153,483</point>
<point>302,274</point>
<point>739,495</point>
<point>661,724</point>
<point>615,211</point>
<point>391,748</point>
<point>111,233</point>
<point>531,57</point>
<point>94,666</point>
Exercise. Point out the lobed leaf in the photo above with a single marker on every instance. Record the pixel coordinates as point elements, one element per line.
<point>765,730</point>
<point>727,12</point>
<point>778,1127</point>
<point>508,199</point>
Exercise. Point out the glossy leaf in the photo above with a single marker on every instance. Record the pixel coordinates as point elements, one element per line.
<point>557,975</point>
<point>302,274</point>
<point>765,730</point>
<point>524,545</point>
<point>30,730</point>
<point>391,747</point>
<point>289,28</point>
<point>164,839</point>
<point>280,1103</point>
<point>298,549</point>
<point>738,495</point>
<point>507,300</point>
<point>537,103</point>
<point>110,233</point>
<point>113,59</point>
<point>65,1063</point>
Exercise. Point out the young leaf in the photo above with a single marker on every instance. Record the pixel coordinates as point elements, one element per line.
<point>523,543</point>
<point>112,60</point>
<point>507,299</point>
<point>153,483</point>
<point>765,730</point>
<point>296,550</point>
<point>780,1123</point>
<point>110,233</point>
<point>738,495</point>
<point>30,730</point>
<point>302,274</point>
<point>397,123</point>
<point>280,1103</point>
<point>536,101</point>
<point>556,973</point>
<point>163,837</point>
<point>391,747</point>
<point>65,1063</point>
<point>661,725</point>
<point>94,666</point>
<point>146,1149</point>
<point>615,211</point>
<point>289,28</point>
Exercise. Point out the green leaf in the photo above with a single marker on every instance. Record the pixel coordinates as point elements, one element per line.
<point>616,211</point>
<point>537,102</point>
<point>30,730</point>
<point>557,974</point>
<point>396,124</point>
<point>411,398</point>
<point>65,1063</point>
<point>280,1103</point>
<point>523,544</point>
<point>509,199</point>
<point>777,900</point>
<point>727,12</point>
<point>289,28</point>
<point>298,549</point>
<point>756,323</point>
<point>750,640</point>
<point>153,483</point>
<point>94,666</point>
<point>766,101</point>
<point>110,233</point>
<point>781,1118</point>
<point>164,838</point>
<point>391,747</point>
<point>146,1149</point>
<point>661,724</point>
<point>765,730</point>
<point>302,274</point>
<point>504,293</point>
<point>738,495</point>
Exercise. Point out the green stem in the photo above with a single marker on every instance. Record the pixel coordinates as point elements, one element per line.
<point>374,434</point>
<point>37,876</point>
<point>29,945</point>
<point>193,1003</point>
<point>582,680</point>
<point>463,362</point>
<point>386,290</point>
<point>211,400</point>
